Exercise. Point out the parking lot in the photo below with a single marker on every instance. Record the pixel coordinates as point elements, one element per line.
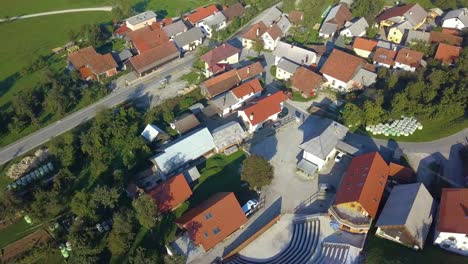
<point>298,193</point>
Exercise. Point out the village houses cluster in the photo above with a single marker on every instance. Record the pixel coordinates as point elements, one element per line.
<point>241,91</point>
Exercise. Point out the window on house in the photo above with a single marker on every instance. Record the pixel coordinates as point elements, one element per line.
<point>205,234</point>
<point>216,231</point>
<point>208,216</point>
<point>451,239</point>
<point>375,200</point>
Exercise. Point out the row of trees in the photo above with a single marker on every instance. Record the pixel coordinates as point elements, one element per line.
<point>434,92</point>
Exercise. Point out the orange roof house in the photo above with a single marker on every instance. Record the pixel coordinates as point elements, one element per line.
<point>306,81</point>
<point>453,212</point>
<point>408,58</point>
<point>149,60</point>
<point>171,193</point>
<point>251,87</point>
<point>147,38</point>
<point>447,54</point>
<point>201,13</point>
<point>213,220</point>
<point>384,57</point>
<point>218,59</point>
<point>440,37</point>
<point>92,65</point>
<point>296,16</point>
<point>401,173</point>
<point>358,197</point>
<point>255,31</point>
<point>267,108</point>
<point>227,80</point>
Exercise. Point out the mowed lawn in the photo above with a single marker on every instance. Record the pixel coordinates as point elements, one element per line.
<point>25,40</point>
<point>24,7</point>
<point>16,231</point>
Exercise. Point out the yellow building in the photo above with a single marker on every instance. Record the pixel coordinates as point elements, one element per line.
<point>400,18</point>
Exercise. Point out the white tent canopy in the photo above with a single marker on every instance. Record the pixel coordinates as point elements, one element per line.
<point>151,132</point>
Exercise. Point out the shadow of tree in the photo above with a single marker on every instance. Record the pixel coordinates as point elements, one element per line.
<point>8,82</point>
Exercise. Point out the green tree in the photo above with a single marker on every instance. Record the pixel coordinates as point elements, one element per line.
<point>81,205</point>
<point>257,171</point>
<point>145,210</point>
<point>258,45</point>
<point>122,9</point>
<point>122,234</point>
<point>367,9</point>
<point>64,149</point>
<point>85,248</point>
<point>142,256</point>
<point>45,205</point>
<point>352,114</point>
<point>104,196</point>
<point>373,113</point>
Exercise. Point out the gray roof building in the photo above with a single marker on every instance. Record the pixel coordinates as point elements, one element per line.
<point>328,28</point>
<point>294,53</point>
<point>184,150</point>
<point>358,27</point>
<point>284,24</point>
<point>461,14</point>
<point>141,17</point>
<point>185,123</point>
<point>288,66</point>
<point>228,135</point>
<point>387,45</point>
<point>365,77</point>
<point>411,207</point>
<point>272,16</point>
<point>215,19</point>
<point>122,56</point>
<point>188,37</point>
<point>415,35</point>
<point>415,14</point>
<point>175,28</point>
<point>225,100</point>
<point>322,145</point>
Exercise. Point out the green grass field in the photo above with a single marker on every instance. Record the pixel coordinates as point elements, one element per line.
<point>24,7</point>
<point>16,231</point>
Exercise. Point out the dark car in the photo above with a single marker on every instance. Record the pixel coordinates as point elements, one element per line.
<point>284,112</point>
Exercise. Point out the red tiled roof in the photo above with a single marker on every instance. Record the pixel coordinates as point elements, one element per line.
<point>447,53</point>
<point>171,193</point>
<point>252,32</point>
<point>364,44</point>
<point>385,56</point>
<point>148,37</point>
<point>254,86</point>
<point>401,173</point>
<point>233,11</point>
<point>341,65</point>
<point>122,30</point>
<point>220,53</point>
<point>86,72</point>
<point>342,15</point>
<point>306,80</point>
<point>225,81</point>
<point>264,108</point>
<point>96,62</point>
<point>274,31</point>
<point>393,12</point>
<point>220,212</point>
<point>451,31</point>
<point>296,16</point>
<point>453,212</point>
<point>151,56</point>
<point>364,182</point>
<point>440,37</point>
<point>202,13</point>
<point>409,57</point>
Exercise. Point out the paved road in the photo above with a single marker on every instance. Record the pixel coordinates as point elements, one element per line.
<point>147,87</point>
<point>91,9</point>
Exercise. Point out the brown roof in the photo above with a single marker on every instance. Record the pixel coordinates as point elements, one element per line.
<point>202,13</point>
<point>225,81</point>
<point>453,212</point>
<point>385,56</point>
<point>364,182</point>
<point>341,65</point>
<point>171,193</point>
<point>342,15</point>
<point>254,86</point>
<point>364,44</point>
<point>393,12</point>
<point>234,11</point>
<point>96,62</point>
<point>447,53</point>
<point>264,108</point>
<point>319,49</point>
<point>221,213</point>
<point>186,123</point>
<point>219,53</point>
<point>401,173</point>
<point>440,37</point>
<point>451,31</point>
<point>252,32</point>
<point>306,80</point>
<point>274,31</point>
<point>296,16</point>
<point>409,57</point>
<point>152,56</point>
<point>147,38</point>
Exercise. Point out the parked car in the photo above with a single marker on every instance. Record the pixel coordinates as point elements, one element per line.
<point>325,187</point>
<point>284,112</point>
<point>276,125</point>
<point>339,157</point>
<point>249,207</point>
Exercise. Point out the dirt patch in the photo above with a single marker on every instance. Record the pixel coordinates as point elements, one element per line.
<point>15,250</point>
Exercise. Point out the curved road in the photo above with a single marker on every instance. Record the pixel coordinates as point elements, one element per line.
<point>102,8</point>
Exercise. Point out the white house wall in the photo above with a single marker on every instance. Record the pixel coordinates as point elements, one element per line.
<point>458,245</point>
<point>453,23</point>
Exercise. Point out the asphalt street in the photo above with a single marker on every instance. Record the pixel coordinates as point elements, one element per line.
<point>149,86</point>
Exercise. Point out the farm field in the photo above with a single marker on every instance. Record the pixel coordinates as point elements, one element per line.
<point>24,7</point>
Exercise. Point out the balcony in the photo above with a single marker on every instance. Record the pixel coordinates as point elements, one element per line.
<point>353,220</point>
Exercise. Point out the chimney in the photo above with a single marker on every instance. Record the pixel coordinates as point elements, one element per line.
<point>407,54</point>
<point>224,45</point>
<point>258,32</point>
<point>411,13</point>
<point>248,70</point>
<point>251,116</point>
